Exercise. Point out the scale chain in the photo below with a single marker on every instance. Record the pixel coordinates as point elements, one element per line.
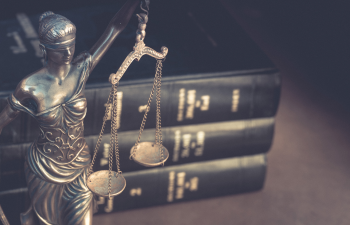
<point>158,136</point>
<point>157,103</point>
<point>116,147</point>
<point>113,138</point>
<point>111,112</point>
<point>105,118</point>
<point>111,143</point>
<point>158,126</point>
<point>145,116</point>
<point>114,129</point>
<point>112,99</point>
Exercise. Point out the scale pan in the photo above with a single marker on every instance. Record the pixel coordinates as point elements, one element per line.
<point>148,154</point>
<point>98,183</point>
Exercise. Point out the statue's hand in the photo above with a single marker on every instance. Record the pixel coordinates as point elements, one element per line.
<point>147,2</point>
<point>145,5</point>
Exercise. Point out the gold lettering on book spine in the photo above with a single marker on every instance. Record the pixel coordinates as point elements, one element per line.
<point>180,185</point>
<point>186,142</point>
<point>171,186</point>
<point>181,106</point>
<point>200,143</point>
<point>191,100</point>
<point>235,100</point>
<point>177,142</point>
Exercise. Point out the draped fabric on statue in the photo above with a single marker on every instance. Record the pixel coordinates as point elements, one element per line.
<point>57,162</point>
<point>55,202</point>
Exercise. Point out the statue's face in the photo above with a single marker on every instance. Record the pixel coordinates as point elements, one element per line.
<point>63,55</point>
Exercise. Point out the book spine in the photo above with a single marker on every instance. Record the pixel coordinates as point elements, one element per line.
<point>188,101</point>
<point>206,99</point>
<point>186,144</point>
<point>193,143</point>
<point>167,185</point>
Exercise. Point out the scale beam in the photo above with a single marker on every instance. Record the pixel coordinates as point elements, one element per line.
<point>139,49</point>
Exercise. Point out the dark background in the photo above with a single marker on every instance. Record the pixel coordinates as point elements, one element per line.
<point>308,173</point>
<point>312,36</point>
<point>197,42</point>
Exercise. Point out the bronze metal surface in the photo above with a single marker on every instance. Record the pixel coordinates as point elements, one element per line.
<point>98,183</point>
<point>54,96</point>
<point>139,49</point>
<point>109,114</point>
<point>149,154</point>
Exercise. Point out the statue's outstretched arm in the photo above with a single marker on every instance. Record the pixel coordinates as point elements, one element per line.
<point>115,27</point>
<point>6,116</point>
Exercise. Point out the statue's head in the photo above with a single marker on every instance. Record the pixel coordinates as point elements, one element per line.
<point>57,37</point>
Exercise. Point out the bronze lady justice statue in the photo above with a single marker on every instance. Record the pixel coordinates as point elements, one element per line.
<point>57,162</point>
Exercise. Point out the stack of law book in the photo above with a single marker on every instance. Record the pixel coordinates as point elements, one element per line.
<point>217,111</point>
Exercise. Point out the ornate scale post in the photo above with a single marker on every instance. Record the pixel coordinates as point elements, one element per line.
<point>108,183</point>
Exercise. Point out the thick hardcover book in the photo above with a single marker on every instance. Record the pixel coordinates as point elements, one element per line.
<point>186,144</point>
<point>193,99</point>
<point>167,185</point>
